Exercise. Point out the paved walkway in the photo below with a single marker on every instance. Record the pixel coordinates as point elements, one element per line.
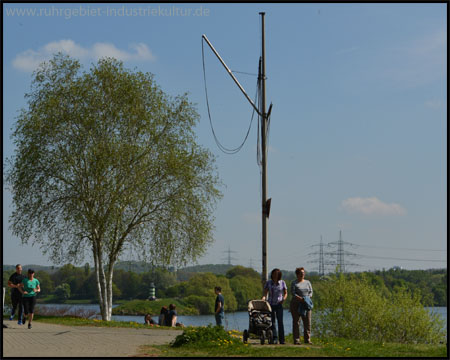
<point>49,340</point>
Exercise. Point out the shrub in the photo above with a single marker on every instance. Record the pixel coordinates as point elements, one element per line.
<point>207,336</point>
<point>355,309</point>
<point>62,292</point>
<point>245,289</point>
<point>204,304</point>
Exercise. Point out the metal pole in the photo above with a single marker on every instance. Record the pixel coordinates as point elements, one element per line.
<point>231,74</point>
<point>264,151</point>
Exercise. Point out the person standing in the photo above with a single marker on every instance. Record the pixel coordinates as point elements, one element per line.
<point>15,282</point>
<point>277,291</point>
<point>301,294</point>
<point>219,306</point>
<point>30,288</point>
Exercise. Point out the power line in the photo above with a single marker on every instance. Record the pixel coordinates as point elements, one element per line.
<point>393,258</point>
<point>340,253</point>
<point>396,248</point>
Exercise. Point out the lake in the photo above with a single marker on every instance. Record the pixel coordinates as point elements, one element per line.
<point>236,321</point>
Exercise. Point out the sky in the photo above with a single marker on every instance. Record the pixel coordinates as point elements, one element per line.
<point>358,130</point>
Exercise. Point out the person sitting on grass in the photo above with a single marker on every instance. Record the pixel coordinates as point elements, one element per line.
<point>162,316</point>
<point>148,320</point>
<point>171,317</point>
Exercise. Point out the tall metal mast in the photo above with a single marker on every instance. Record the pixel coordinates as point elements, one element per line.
<point>261,110</point>
<point>265,209</point>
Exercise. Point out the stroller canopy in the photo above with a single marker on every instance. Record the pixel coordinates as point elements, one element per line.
<point>259,305</point>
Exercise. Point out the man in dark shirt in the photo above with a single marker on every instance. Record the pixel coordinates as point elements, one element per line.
<point>171,317</point>
<point>14,282</point>
<point>219,306</point>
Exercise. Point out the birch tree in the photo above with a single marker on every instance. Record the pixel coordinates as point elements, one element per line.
<point>106,161</point>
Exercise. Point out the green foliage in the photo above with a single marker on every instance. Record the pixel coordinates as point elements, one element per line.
<point>243,271</point>
<point>142,307</point>
<point>162,278</point>
<point>47,285</point>
<point>245,289</point>
<point>198,291</point>
<point>202,285</point>
<point>204,304</point>
<point>186,273</point>
<point>207,336</point>
<point>352,308</point>
<point>105,160</point>
<point>62,292</point>
<point>430,284</point>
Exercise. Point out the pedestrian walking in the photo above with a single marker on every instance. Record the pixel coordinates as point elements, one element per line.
<point>301,297</point>
<point>14,282</point>
<point>275,290</point>
<point>29,290</point>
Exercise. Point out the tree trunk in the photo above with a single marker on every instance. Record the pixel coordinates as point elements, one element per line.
<point>104,283</point>
<point>109,289</point>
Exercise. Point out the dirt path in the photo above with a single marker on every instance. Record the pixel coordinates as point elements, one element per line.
<point>49,340</point>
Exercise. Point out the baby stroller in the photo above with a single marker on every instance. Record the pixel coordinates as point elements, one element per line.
<point>260,321</point>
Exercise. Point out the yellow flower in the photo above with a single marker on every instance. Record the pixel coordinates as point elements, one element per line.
<point>347,349</point>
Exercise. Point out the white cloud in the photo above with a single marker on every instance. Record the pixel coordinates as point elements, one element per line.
<point>66,46</point>
<point>30,59</point>
<point>371,206</point>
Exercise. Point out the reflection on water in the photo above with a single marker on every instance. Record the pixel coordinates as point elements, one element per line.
<point>237,320</point>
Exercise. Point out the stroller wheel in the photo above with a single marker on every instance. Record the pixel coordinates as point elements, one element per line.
<point>245,336</point>
<point>270,336</point>
<point>262,338</point>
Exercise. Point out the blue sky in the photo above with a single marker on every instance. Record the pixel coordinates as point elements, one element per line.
<point>358,129</point>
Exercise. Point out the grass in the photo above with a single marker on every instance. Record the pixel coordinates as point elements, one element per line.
<point>320,348</point>
<point>142,307</point>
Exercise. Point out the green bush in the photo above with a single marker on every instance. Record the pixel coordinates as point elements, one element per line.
<point>204,304</point>
<point>245,289</point>
<point>202,285</point>
<point>62,292</point>
<point>207,336</point>
<point>354,309</point>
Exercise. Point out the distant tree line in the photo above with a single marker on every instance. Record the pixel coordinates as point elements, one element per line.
<point>239,284</point>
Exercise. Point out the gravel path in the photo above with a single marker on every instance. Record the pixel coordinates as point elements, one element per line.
<point>50,340</point>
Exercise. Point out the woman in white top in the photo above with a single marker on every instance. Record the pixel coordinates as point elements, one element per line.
<point>300,288</point>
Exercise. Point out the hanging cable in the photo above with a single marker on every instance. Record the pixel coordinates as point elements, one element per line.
<point>219,145</point>
<point>242,72</point>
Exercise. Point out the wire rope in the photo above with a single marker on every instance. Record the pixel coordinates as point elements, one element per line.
<point>216,139</point>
